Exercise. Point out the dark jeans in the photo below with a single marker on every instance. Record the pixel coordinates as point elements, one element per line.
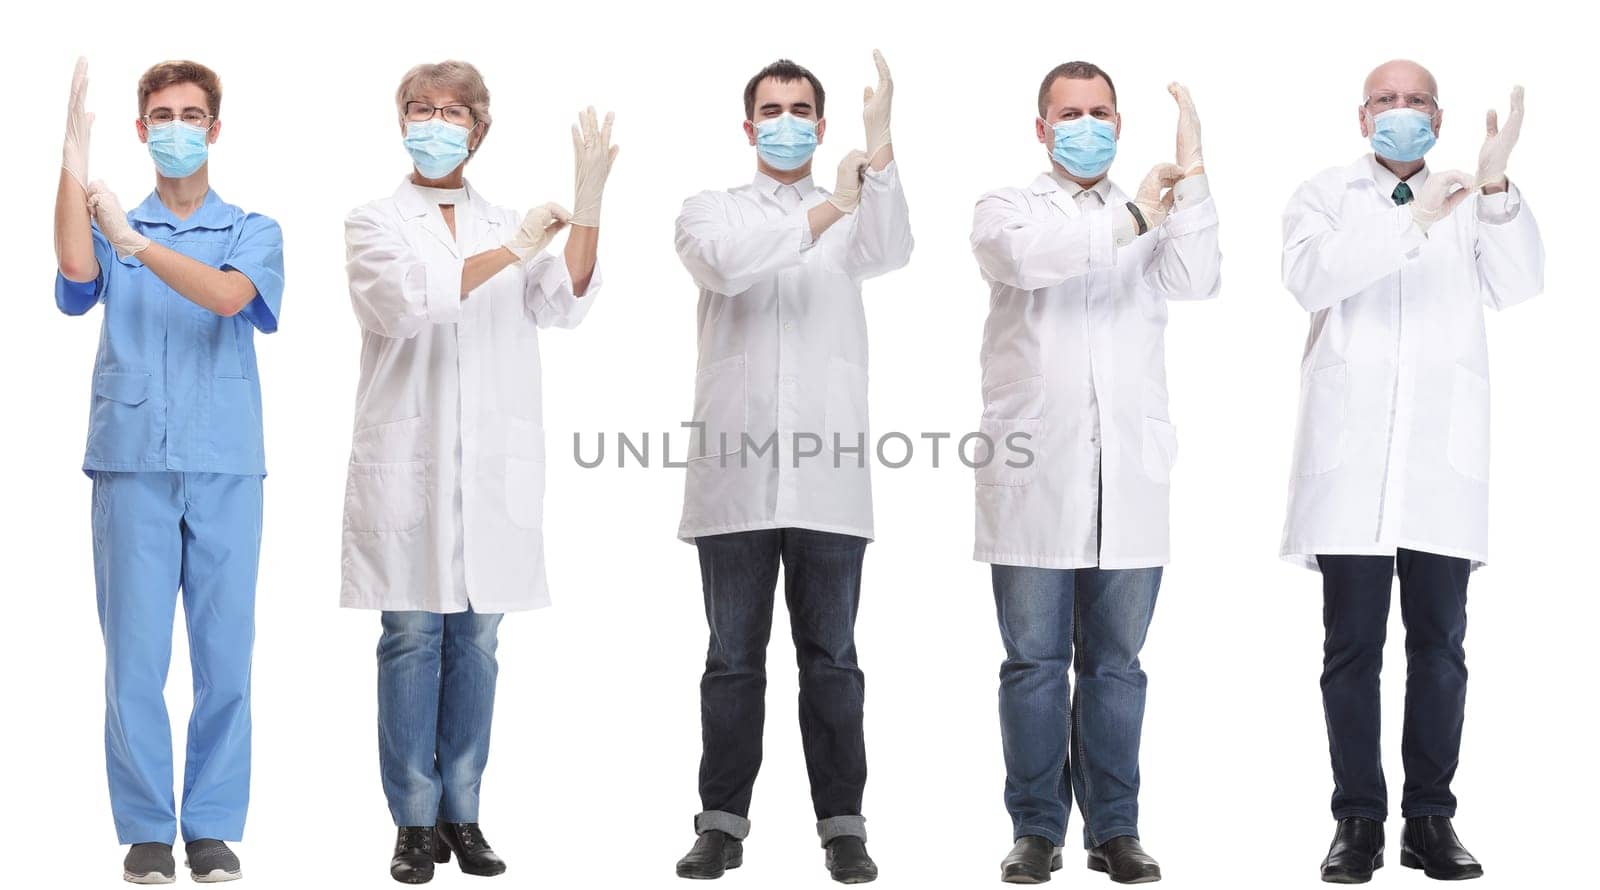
<point>822,586</point>
<point>1355,613</point>
<point>1092,621</point>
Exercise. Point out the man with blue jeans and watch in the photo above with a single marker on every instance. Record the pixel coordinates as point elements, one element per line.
<point>175,452</point>
<point>1072,492</point>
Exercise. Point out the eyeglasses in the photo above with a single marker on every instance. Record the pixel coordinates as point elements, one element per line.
<point>1388,100</point>
<point>194,117</point>
<point>460,115</point>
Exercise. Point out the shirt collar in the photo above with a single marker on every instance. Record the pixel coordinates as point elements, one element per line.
<point>766,185</point>
<point>1101,187</point>
<point>414,200</point>
<point>211,214</point>
<point>1367,168</point>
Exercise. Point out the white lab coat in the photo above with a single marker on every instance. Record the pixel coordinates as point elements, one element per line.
<point>446,484</point>
<point>783,350</point>
<point>1392,443</point>
<point>1074,360</point>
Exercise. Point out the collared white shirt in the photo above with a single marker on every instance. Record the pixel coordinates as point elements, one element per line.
<point>1392,441</point>
<point>443,507</point>
<point>783,354</point>
<point>1074,363</point>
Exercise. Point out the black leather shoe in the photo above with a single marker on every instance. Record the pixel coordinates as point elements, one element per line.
<point>473,852</point>
<point>149,864</point>
<point>1124,861</point>
<point>413,855</point>
<point>1430,843</point>
<point>848,862</point>
<point>713,853</point>
<point>1031,861</point>
<point>1356,851</point>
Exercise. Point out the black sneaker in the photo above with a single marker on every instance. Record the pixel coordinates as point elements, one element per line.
<point>149,864</point>
<point>210,861</point>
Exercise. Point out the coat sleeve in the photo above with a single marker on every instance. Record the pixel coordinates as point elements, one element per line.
<point>729,258</point>
<point>548,292</point>
<point>1018,249</point>
<point>395,292</point>
<point>880,237</point>
<point>258,254</point>
<point>78,297</point>
<point>1187,264</point>
<point>1327,259</point>
<point>1510,254</point>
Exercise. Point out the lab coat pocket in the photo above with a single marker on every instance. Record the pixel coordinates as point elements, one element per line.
<point>395,440</point>
<point>386,497</point>
<point>1468,449</point>
<point>1011,432</point>
<point>1319,442</point>
<point>1160,449</point>
<point>844,420</point>
<point>721,409</point>
<point>525,466</point>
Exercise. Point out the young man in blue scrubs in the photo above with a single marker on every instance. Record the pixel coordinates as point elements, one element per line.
<point>175,452</point>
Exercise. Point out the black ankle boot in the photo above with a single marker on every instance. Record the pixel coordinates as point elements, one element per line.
<point>1356,851</point>
<point>713,853</point>
<point>1430,844</point>
<point>413,855</point>
<point>472,850</point>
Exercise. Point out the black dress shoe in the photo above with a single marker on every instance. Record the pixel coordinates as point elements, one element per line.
<point>1430,843</point>
<point>413,855</point>
<point>1124,861</point>
<point>713,853</point>
<point>149,864</point>
<point>848,862</point>
<point>473,852</point>
<point>1356,851</point>
<point>1031,861</point>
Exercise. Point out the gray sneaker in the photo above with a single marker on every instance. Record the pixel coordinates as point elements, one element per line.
<point>148,864</point>
<point>211,862</point>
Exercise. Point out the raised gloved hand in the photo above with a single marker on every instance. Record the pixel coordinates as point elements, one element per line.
<point>1152,203</point>
<point>847,194</point>
<point>1444,192</point>
<point>75,148</point>
<point>875,108</point>
<point>1498,144</point>
<point>540,225</point>
<point>592,154</point>
<point>1188,131</point>
<point>113,221</point>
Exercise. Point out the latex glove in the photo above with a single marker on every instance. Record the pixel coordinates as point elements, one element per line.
<point>847,194</point>
<point>108,214</point>
<point>75,148</point>
<point>1188,131</point>
<point>1152,204</point>
<point>1498,144</point>
<point>875,108</point>
<point>1443,193</point>
<point>538,228</point>
<point>592,154</point>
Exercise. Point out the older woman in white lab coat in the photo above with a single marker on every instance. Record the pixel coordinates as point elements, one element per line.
<point>443,504</point>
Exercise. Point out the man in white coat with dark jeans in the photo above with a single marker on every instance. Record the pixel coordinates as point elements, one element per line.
<point>777,472</point>
<point>1395,264</point>
<point>1074,372</point>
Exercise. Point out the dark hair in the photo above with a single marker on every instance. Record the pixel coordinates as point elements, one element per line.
<point>783,71</point>
<point>167,74</point>
<point>1073,71</point>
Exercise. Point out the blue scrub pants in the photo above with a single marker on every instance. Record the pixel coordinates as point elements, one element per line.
<point>155,533</point>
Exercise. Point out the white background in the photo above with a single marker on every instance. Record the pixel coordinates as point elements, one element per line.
<point>596,739</point>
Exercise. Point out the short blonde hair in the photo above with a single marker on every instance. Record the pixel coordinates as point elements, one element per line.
<point>456,77</point>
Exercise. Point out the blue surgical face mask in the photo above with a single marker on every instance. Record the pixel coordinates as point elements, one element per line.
<point>177,148</point>
<point>786,142</point>
<point>436,147</point>
<point>1084,146</point>
<point>1402,134</point>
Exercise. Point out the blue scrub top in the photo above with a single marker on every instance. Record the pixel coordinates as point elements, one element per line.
<point>175,385</point>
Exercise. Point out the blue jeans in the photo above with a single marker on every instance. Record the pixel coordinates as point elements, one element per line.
<point>822,586</point>
<point>436,676</point>
<point>1356,591</point>
<point>155,533</point>
<point>1093,621</point>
